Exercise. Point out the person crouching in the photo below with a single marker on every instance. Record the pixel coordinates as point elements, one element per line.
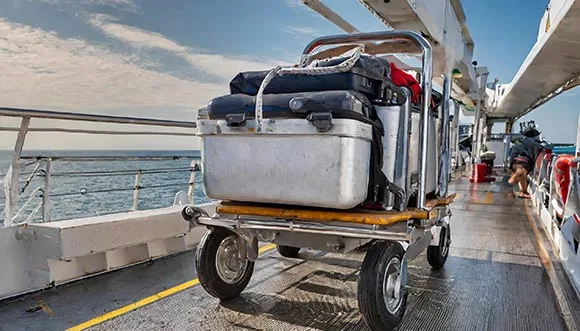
<point>520,169</point>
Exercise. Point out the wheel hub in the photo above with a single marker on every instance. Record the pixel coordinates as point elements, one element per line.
<point>393,285</point>
<point>230,265</point>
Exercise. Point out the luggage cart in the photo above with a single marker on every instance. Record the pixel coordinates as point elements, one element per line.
<point>226,254</point>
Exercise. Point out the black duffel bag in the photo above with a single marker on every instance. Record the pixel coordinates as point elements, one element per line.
<point>370,75</point>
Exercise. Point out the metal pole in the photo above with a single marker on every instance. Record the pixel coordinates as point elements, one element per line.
<point>414,37</point>
<point>13,193</point>
<point>136,190</point>
<point>507,141</point>
<point>426,78</point>
<point>578,138</point>
<point>488,130</point>
<point>444,173</point>
<point>482,131</point>
<point>191,189</point>
<point>107,132</point>
<point>509,124</point>
<point>483,115</point>
<point>330,15</point>
<point>475,131</point>
<point>55,115</point>
<point>456,150</point>
<point>46,192</point>
<point>477,120</point>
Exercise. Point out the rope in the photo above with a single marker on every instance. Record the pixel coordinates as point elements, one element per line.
<point>259,95</point>
<point>344,66</point>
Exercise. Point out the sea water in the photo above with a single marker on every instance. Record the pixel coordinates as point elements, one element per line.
<point>91,188</point>
<point>566,149</point>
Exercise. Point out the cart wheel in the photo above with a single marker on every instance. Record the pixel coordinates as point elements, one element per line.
<point>382,296</point>
<point>288,251</point>
<point>437,255</point>
<point>222,272</point>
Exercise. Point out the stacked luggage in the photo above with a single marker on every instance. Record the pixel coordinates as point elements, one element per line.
<point>319,142</point>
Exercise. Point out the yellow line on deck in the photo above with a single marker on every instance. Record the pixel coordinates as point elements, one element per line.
<point>554,281</point>
<point>488,198</point>
<point>145,301</point>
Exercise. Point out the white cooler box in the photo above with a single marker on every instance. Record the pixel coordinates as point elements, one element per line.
<point>290,162</point>
<point>391,118</point>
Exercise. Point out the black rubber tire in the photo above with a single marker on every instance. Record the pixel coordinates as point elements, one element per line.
<point>206,267</point>
<point>435,255</point>
<point>370,287</point>
<point>288,251</point>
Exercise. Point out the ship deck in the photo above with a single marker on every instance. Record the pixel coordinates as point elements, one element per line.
<point>501,275</point>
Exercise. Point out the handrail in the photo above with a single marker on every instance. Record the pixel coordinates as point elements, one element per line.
<point>47,194</point>
<point>110,158</point>
<point>107,132</point>
<point>12,178</point>
<point>411,36</point>
<point>57,115</point>
<point>98,173</point>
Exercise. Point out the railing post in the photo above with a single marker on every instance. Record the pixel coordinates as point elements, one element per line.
<point>46,192</point>
<point>456,151</point>
<point>12,192</point>
<point>191,188</point>
<point>477,129</point>
<point>444,141</point>
<point>136,190</point>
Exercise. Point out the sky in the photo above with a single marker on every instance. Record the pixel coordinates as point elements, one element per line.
<point>504,32</point>
<point>166,59</point>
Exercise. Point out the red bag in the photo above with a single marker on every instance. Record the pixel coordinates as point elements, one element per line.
<point>401,78</point>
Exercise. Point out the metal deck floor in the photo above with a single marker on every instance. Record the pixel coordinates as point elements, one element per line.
<point>493,280</point>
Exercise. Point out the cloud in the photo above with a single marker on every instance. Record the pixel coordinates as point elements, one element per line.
<point>301,30</point>
<point>40,69</point>
<point>222,66</point>
<point>113,3</point>
<point>298,5</point>
<point>293,3</point>
<point>132,35</point>
<point>44,71</point>
<point>124,5</point>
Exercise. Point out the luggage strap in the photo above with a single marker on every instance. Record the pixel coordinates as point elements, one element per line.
<point>379,184</point>
<point>377,125</point>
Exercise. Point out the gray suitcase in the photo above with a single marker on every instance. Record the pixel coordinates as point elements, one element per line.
<point>318,161</point>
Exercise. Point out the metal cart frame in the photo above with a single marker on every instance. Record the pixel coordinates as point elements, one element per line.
<point>226,254</point>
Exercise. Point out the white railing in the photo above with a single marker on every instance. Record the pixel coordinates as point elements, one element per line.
<point>44,191</point>
<point>14,211</point>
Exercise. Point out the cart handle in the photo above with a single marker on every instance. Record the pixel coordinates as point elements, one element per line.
<point>344,66</point>
<point>426,81</point>
<point>357,38</point>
